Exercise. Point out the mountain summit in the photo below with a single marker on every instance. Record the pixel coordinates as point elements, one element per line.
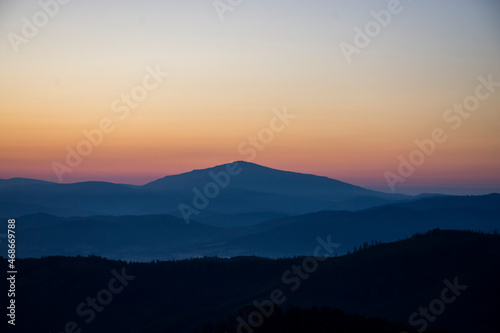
<point>257,178</point>
<point>234,188</point>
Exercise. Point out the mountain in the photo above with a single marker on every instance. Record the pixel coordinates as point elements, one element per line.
<point>149,237</point>
<point>5,183</point>
<point>253,190</point>
<point>257,178</point>
<point>140,238</point>
<point>12,209</point>
<point>486,202</point>
<point>391,281</point>
<point>296,235</point>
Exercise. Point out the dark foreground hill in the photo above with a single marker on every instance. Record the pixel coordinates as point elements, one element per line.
<point>454,273</point>
<point>313,320</point>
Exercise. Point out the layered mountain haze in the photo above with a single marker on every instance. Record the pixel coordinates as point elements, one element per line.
<point>255,194</point>
<point>256,211</point>
<point>150,237</point>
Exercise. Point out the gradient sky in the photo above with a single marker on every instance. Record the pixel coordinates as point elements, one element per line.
<point>226,77</point>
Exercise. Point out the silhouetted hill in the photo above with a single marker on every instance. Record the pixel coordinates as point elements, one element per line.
<point>232,220</point>
<point>257,178</point>
<point>148,237</point>
<point>124,237</point>
<point>255,190</point>
<point>4,183</point>
<point>485,202</point>
<point>283,237</point>
<point>13,209</point>
<point>391,281</point>
<point>314,320</point>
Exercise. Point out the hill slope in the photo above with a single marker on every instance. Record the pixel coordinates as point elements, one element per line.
<point>387,281</point>
<point>255,190</point>
<point>149,237</point>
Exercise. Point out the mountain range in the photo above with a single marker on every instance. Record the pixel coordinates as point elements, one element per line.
<point>249,226</point>
<point>255,194</point>
<point>150,237</point>
<point>258,211</point>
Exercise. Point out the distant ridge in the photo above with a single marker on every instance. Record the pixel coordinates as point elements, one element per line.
<point>256,190</point>
<point>149,237</point>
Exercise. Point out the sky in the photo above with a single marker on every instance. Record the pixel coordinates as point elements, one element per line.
<point>232,67</point>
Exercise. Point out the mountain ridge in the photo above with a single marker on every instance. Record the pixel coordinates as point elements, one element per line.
<point>161,236</point>
<point>254,190</point>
